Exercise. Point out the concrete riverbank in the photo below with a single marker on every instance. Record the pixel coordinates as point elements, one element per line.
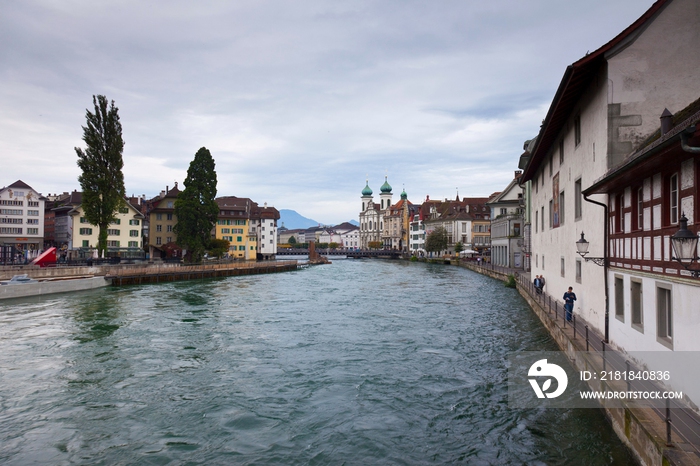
<point>644,431</point>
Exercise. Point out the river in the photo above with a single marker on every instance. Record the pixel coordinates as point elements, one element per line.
<point>359,362</point>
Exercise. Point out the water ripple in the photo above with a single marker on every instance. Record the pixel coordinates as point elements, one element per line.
<point>358,362</point>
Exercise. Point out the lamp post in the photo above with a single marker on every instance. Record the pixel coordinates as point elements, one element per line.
<point>685,247</point>
<point>582,250</point>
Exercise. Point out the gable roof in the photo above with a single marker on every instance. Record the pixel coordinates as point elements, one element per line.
<point>573,84</point>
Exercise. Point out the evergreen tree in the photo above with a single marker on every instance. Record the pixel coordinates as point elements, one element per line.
<point>195,207</point>
<point>102,180</point>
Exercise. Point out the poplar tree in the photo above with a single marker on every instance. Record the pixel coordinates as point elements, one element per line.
<point>102,180</point>
<point>195,208</point>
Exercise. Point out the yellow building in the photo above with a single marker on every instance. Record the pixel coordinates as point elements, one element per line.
<point>234,225</point>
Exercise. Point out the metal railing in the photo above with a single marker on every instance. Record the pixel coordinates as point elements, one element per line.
<point>680,420</point>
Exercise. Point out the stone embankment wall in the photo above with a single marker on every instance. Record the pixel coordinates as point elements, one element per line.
<point>643,431</point>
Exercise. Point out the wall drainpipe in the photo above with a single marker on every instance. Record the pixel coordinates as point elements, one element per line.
<point>605,265</point>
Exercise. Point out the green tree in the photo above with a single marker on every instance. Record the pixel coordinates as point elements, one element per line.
<point>374,244</point>
<point>218,247</point>
<point>436,240</point>
<point>333,245</point>
<point>195,207</point>
<point>292,240</point>
<point>102,180</point>
<point>459,247</point>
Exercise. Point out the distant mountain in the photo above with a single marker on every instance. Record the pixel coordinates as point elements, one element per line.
<point>292,220</point>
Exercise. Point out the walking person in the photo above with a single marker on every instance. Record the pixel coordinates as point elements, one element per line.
<point>542,282</point>
<point>569,298</point>
<point>537,283</point>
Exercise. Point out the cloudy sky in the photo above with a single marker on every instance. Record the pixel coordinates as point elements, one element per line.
<point>298,102</point>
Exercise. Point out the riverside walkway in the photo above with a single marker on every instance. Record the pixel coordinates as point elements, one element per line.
<point>657,436</point>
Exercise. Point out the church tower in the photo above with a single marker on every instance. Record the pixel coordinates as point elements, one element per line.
<point>385,195</point>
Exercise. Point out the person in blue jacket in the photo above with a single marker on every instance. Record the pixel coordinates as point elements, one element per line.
<point>569,298</point>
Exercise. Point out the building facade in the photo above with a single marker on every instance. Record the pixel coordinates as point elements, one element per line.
<point>608,102</point>
<point>21,222</point>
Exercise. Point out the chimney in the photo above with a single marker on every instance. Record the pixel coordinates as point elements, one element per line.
<point>518,173</point>
<point>666,123</point>
<point>167,189</point>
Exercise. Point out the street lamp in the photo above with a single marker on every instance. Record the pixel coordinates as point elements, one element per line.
<point>685,247</point>
<point>582,250</point>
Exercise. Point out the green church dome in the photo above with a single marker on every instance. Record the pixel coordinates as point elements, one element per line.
<point>386,187</point>
<point>367,191</point>
<point>404,195</point>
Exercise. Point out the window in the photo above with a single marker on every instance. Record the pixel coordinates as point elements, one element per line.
<point>542,220</point>
<point>169,228</point>
<point>578,270</point>
<point>133,244</point>
<point>225,231</point>
<point>636,304</point>
<point>158,240</point>
<point>32,231</point>
<point>640,209</point>
<point>33,213</point>
<point>159,216</point>
<point>551,213</point>
<point>31,221</point>
<point>664,317</point>
<point>578,199</point>
<point>123,210</point>
<point>11,212</point>
<point>83,220</point>
<point>577,130</point>
<point>536,220</point>
<point>134,233</point>
<point>551,166</point>
<point>113,232</point>
<point>117,221</point>
<point>673,199</point>
<point>133,222</point>
<point>563,267</point>
<point>561,152</point>
<point>620,298</point>
<point>169,216</point>
<point>561,208</point>
<point>170,204</point>
<point>169,239</point>
<point>239,238</point>
<point>12,231</point>
<point>113,244</point>
<point>86,231</point>
<point>33,203</point>
<point>86,243</point>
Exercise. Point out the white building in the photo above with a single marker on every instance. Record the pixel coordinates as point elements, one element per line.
<point>606,104</point>
<point>372,215</point>
<point>21,221</point>
<point>507,225</point>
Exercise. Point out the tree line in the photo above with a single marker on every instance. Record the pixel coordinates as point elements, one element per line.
<point>102,184</point>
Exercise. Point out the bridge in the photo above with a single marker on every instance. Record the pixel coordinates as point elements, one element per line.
<point>354,254</point>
